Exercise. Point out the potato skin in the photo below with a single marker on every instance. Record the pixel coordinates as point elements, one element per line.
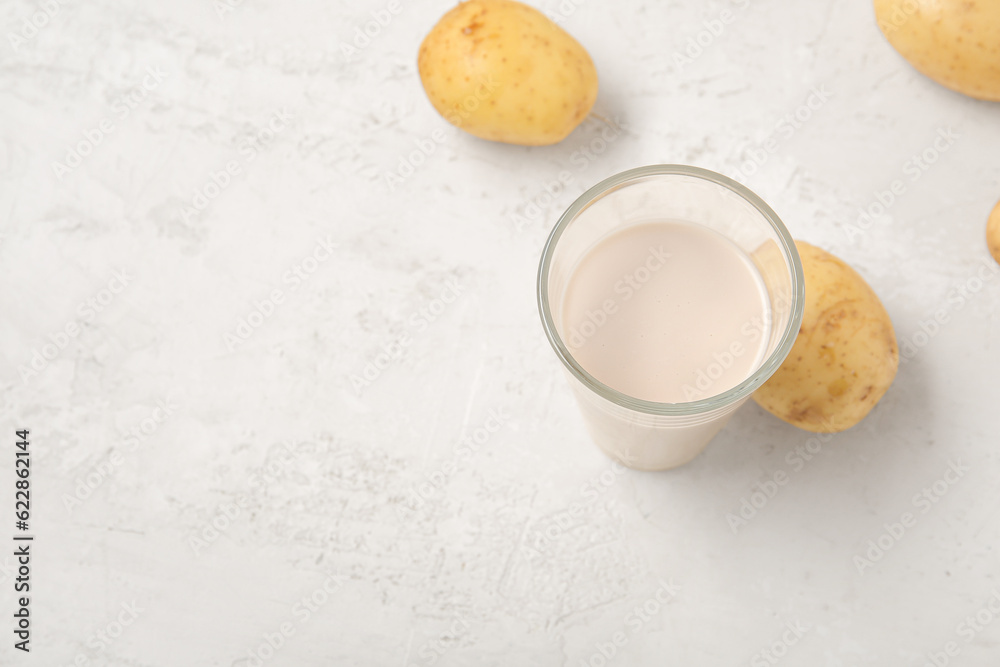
<point>503,71</point>
<point>954,42</point>
<point>845,356</point>
<point>993,233</point>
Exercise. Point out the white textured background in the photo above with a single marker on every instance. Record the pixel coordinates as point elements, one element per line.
<point>462,579</point>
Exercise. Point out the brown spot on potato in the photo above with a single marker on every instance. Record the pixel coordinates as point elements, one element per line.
<point>837,387</point>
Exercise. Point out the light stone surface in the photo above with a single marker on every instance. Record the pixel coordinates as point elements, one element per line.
<point>533,550</point>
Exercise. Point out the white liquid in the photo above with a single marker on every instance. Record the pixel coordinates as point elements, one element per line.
<point>667,312</point>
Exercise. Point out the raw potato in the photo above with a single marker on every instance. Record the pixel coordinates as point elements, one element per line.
<point>993,233</point>
<point>845,356</point>
<point>954,42</point>
<point>503,71</point>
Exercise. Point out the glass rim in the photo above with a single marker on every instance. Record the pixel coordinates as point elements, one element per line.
<point>704,405</point>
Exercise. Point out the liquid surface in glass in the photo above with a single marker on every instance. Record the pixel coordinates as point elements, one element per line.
<point>666,311</point>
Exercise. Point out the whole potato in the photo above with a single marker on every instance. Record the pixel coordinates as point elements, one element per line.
<point>503,71</point>
<point>954,42</point>
<point>845,356</point>
<point>993,233</point>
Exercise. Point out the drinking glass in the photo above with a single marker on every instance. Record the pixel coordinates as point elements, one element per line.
<point>643,434</point>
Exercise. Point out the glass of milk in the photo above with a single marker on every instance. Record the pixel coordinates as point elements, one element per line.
<point>670,293</point>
